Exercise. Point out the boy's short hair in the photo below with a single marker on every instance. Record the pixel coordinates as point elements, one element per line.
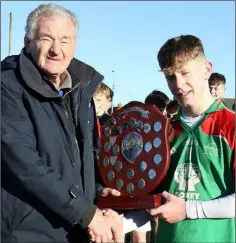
<point>216,79</point>
<point>178,51</point>
<point>103,88</point>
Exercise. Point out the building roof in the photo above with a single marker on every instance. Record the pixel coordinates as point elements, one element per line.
<point>229,102</point>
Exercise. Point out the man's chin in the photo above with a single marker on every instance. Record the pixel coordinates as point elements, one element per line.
<point>186,104</point>
<point>53,71</point>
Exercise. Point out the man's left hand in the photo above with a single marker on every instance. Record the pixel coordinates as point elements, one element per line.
<point>172,211</point>
<point>106,191</point>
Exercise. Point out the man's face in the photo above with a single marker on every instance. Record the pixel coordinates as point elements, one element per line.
<point>102,103</point>
<point>53,46</point>
<point>217,91</point>
<point>190,83</point>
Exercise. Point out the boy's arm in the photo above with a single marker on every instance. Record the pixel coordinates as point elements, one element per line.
<point>218,208</point>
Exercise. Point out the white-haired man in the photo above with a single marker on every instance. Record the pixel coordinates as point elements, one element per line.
<point>48,176</point>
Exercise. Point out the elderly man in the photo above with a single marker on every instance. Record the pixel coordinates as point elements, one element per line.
<point>48,177</point>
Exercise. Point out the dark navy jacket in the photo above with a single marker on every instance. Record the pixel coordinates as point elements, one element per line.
<point>48,169</point>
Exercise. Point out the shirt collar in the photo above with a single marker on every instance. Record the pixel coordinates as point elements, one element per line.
<point>217,105</point>
<point>66,81</point>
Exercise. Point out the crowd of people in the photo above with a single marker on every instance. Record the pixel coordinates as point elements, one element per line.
<point>52,107</point>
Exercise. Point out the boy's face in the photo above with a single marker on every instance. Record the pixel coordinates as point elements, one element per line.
<point>217,91</point>
<point>102,103</point>
<point>190,82</point>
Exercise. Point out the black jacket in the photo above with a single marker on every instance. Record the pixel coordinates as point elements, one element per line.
<point>48,169</point>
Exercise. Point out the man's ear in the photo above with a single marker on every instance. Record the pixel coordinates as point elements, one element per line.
<point>27,43</point>
<point>208,70</point>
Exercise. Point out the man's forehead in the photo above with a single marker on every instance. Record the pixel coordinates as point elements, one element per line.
<point>183,65</point>
<point>180,67</point>
<point>50,26</point>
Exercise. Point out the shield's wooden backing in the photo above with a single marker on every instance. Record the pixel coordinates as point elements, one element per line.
<point>129,177</point>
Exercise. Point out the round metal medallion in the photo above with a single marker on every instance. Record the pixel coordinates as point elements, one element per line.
<point>147,146</point>
<point>139,126</point>
<point>113,160</point>
<point>156,142</point>
<point>130,173</point>
<point>107,131</point>
<point>151,174</point>
<point>146,128</point>
<point>119,184</point>
<point>157,159</point>
<point>157,126</point>
<point>129,187</point>
<point>106,147</point>
<point>112,122</point>
<point>141,183</point>
<point>105,162</point>
<point>117,131</point>
<point>112,140</point>
<point>118,166</point>
<point>110,175</point>
<point>143,166</point>
<point>115,149</point>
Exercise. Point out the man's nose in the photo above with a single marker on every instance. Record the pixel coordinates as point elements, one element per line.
<point>179,80</point>
<point>212,91</point>
<point>55,48</point>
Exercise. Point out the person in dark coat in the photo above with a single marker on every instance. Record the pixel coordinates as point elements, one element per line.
<point>48,135</point>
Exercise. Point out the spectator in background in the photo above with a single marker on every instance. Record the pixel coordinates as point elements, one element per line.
<point>159,99</point>
<point>103,101</point>
<point>233,106</point>
<point>172,108</point>
<point>217,83</point>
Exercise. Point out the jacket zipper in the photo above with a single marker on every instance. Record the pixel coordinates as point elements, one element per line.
<point>64,108</point>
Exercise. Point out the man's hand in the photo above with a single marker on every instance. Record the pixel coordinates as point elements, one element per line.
<point>106,191</point>
<point>100,228</point>
<point>173,211</point>
<point>105,226</point>
<point>112,219</point>
<point>115,222</point>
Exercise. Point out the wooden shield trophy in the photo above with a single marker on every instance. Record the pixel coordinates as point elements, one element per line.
<point>134,156</point>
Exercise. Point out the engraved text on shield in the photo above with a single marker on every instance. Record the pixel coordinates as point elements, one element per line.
<point>131,146</point>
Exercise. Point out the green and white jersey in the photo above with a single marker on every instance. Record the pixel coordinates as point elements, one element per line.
<point>202,168</point>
